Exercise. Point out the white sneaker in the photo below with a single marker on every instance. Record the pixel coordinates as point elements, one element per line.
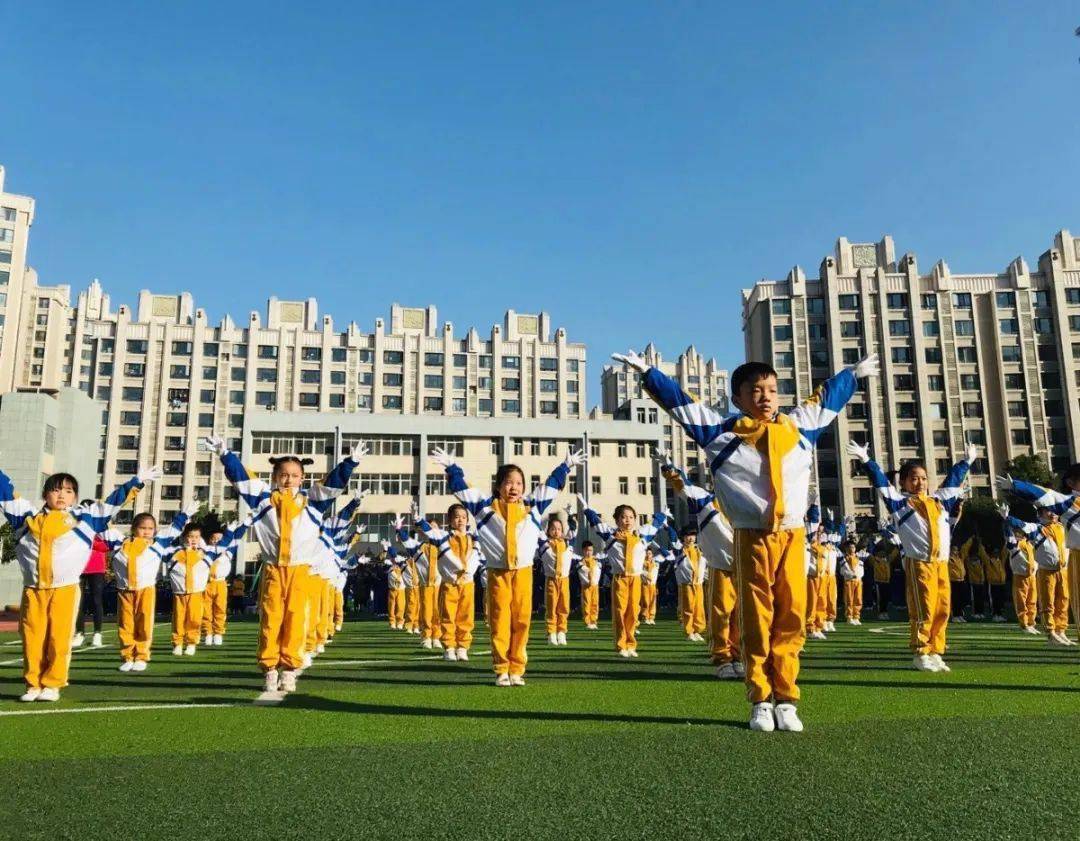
<point>337,628</point>
<point>450,654</point>
<point>31,694</point>
<point>127,665</point>
<point>305,664</point>
<point>219,639</point>
<point>288,681</point>
<point>818,635</point>
<point>726,671</point>
<point>517,680</point>
<point>462,653</point>
<point>96,642</point>
<point>884,617</point>
<point>787,718</point>
<point>959,620</point>
<point>190,651</point>
<point>1055,639</point>
<point>561,640</point>
<point>761,717</point>
<point>924,663</point>
<point>633,652</point>
<point>624,653</point>
<point>940,663</point>
<point>437,643</point>
<point>1031,629</point>
<point>139,666</point>
<point>1067,639</point>
<point>271,683</point>
<point>320,649</point>
<point>178,650</point>
<point>740,669</point>
<point>77,640</point>
<point>416,632</point>
<point>502,680</point>
<point>553,639</point>
<point>426,643</point>
<point>999,618</point>
<point>49,693</point>
<point>832,626</point>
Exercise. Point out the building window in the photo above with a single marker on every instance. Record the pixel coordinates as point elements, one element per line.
<point>815,306</point>
<point>594,449</point>
<point>896,300</point>
<point>848,302</point>
<point>905,410</point>
<point>967,354</point>
<point>238,374</point>
<point>1010,353</point>
<point>901,355</point>
<point>433,404</point>
<point>519,447</point>
<point>1017,409</point>
<point>366,357</point>
<point>856,411</point>
<point>337,378</point>
<point>935,382</point>
<point>137,346</point>
<point>393,357</point>
<point>513,362</point>
<point>596,486</point>
<point>309,399</point>
<point>548,363</point>
<point>182,348</point>
<point>311,376</point>
<point>485,406</point>
<point>817,331</point>
<point>336,401</point>
<point>267,352</point>
<point>962,300</point>
<point>1072,295</point>
<point>1021,437</point>
<point>131,392</point>
<point>903,382</point>
<point>1014,381</point>
<point>549,386</point>
<point>394,380</point>
<point>973,409</point>
<point>460,360</point>
<point>1041,298</point>
<point>266,399</point>
<point>391,401</point>
<point>511,384</point>
<point>511,407</point>
<point>484,361</point>
<point>549,407</point>
<point>908,437</point>
<point>1005,299</point>
<point>782,333</point>
<point>433,380</point>
<point>1050,379</point>
<point>932,355</point>
<point>819,358</point>
<point>969,381</point>
<point>624,485</point>
<point>1044,326</point>
<point>265,375</point>
<point>781,306</point>
<point>964,327</point>
<point>850,355</point>
<point>930,329</point>
<point>639,449</point>
<point>459,382</point>
<point>941,438</point>
<point>785,359</point>
<point>938,411</point>
<point>850,329</point>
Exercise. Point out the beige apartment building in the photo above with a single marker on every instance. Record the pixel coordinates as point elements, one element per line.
<point>699,377</point>
<point>982,358</point>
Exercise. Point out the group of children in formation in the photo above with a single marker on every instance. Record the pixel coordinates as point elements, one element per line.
<point>758,571</point>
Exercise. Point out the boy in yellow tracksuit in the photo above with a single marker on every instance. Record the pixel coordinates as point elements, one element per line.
<point>1024,588</point>
<point>650,574</point>
<point>1048,538</point>
<point>762,461</point>
<point>188,570</point>
<point>589,570</point>
<point>52,546</point>
<point>287,523</point>
<point>135,563</point>
<point>883,555</point>
<point>422,608</point>
<point>509,527</point>
<point>458,563</point>
<point>690,573</point>
<point>851,571</point>
<point>556,559</point>
<point>960,593</point>
<point>222,552</point>
<point>817,549</point>
<point>395,587</point>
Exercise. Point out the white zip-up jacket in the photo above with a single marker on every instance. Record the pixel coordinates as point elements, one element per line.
<point>452,567</point>
<point>136,561</point>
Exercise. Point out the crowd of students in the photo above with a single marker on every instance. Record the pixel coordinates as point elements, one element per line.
<point>757,570</point>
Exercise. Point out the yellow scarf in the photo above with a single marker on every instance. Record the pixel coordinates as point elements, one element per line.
<point>930,510</point>
<point>558,547</point>
<point>134,547</point>
<point>189,558</point>
<point>694,554</point>
<point>431,552</point>
<point>1056,533</point>
<point>46,527</point>
<point>288,508</point>
<point>513,514</point>
<point>774,440</point>
<point>630,541</point>
<point>461,546</point>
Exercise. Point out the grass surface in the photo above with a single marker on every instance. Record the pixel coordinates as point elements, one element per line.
<point>383,741</point>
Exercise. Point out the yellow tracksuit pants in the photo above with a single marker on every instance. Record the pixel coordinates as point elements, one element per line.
<point>412,608</point>
<point>187,613</point>
<point>556,604</point>
<point>1073,575</point>
<point>1054,600</point>
<point>283,603</point>
<point>215,607</point>
<point>723,624</point>
<point>827,597</point>
<point>135,622</point>
<point>47,624</point>
<point>1025,599</point>
<point>339,609</point>
<point>315,625</point>
<point>928,603</point>
<point>327,629</point>
<point>771,582</point>
<point>457,614</point>
<point>813,618</point>
<point>648,601</point>
<point>691,608</point>
<point>625,597</point>
<point>511,613</point>
<point>590,604</point>
<point>429,613</point>
<point>853,598</point>
<point>395,607</point>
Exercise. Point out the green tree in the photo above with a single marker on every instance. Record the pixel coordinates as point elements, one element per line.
<point>980,512</point>
<point>7,543</point>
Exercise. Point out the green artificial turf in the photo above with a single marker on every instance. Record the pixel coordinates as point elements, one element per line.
<point>401,745</point>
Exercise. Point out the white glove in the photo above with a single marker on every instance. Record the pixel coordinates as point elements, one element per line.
<point>1003,510</point>
<point>442,458</point>
<point>385,545</point>
<point>189,509</point>
<point>358,451</point>
<point>399,523</point>
<point>868,367</point>
<point>575,459</point>
<point>363,492</point>
<point>414,509</point>
<point>149,474</point>
<point>828,513</point>
<point>971,453</point>
<point>859,451</point>
<point>812,497</point>
<point>1004,483</point>
<point>667,513</point>
<point>661,456</point>
<point>214,444</point>
<point>584,502</point>
<point>632,359</point>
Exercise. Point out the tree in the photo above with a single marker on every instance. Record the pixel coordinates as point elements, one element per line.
<point>980,512</point>
<point>7,543</point>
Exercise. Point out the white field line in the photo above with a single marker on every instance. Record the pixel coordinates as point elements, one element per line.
<point>125,708</point>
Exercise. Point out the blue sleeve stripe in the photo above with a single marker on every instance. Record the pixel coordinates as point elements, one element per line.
<point>728,450</point>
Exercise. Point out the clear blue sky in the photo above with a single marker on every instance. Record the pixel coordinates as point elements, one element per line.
<point>627,167</point>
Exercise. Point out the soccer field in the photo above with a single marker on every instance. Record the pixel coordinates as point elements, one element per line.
<point>384,739</point>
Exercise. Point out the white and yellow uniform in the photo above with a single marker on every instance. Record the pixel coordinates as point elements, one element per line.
<point>557,557</point>
<point>1052,558</point>
<point>395,590</point>
<point>425,556</point>
<point>650,575</point>
<point>53,548</point>
<point>589,570</point>
<point>216,598</point>
<point>851,571</point>
<point>1024,580</point>
<point>188,571</point>
<point>458,563</point>
<point>690,573</point>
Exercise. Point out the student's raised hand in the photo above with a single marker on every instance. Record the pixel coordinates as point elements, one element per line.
<point>812,497</point>
<point>859,451</point>
<point>358,451</point>
<point>971,453</point>
<point>575,458</point>
<point>661,456</point>
<point>363,492</point>
<point>385,544</point>
<point>1004,483</point>
<point>146,475</point>
<point>1003,510</point>
<point>584,502</point>
<point>633,360</point>
<point>214,444</point>
<point>399,523</point>
<point>869,366</point>
<point>441,457</point>
<point>190,509</point>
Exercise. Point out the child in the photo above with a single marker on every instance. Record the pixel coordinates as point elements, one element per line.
<point>135,564</point>
<point>556,558</point>
<point>508,526</point>
<point>222,554</point>
<point>338,529</point>
<point>589,569</point>
<point>1065,505</point>
<point>922,521</point>
<point>650,573</point>
<point>994,562</point>
<point>852,571</point>
<point>52,545</point>
<point>1048,539</point>
<point>1024,587</point>
<point>827,587</point>
<point>395,587</point>
<point>974,555</point>
<point>816,551</point>
<point>287,522</point>
<point>883,553</point>
<point>761,462</point>
<point>423,609</point>
<point>625,551</point>
<point>958,591</point>
<point>187,567</point>
<point>690,571</point>
<point>458,562</point>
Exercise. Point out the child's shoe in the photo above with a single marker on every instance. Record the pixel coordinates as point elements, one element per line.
<point>49,693</point>
<point>127,665</point>
<point>462,654</point>
<point>761,717</point>
<point>787,718</point>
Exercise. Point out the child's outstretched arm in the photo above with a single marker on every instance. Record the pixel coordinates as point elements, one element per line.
<point>96,516</point>
<point>1059,503</point>
<point>649,530</point>
<point>252,489</point>
<point>168,535</point>
<point>15,508</point>
<point>322,494</point>
<point>894,500</point>
<point>545,494</point>
<point>815,413</point>
<point>1029,529</point>
<point>594,519</point>
<point>951,493</point>
<point>473,500</point>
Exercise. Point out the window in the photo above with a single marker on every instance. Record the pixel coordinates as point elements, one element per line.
<point>966,354</point>
<point>459,382</point>
<point>785,359</point>
<point>511,384</point>
<point>1047,353</point>
<point>1005,299</point>
<point>311,376</point>
<point>513,362</point>
<point>932,355</point>
<point>818,358</point>
<point>174,442</point>
<point>571,387</point>
<point>336,401</point>
<point>901,355</point>
<point>240,351</point>
<point>337,354</point>
<point>594,449</point>
<point>642,486</point>
<point>624,484</point>
<point>363,401</point>
<point>128,442</point>
<point>366,356</point>
<point>434,359</point>
<point>962,300</point>
<point>365,378</point>
<point>485,406</point>
<point>1010,353</point>
<point>850,329</point>
<point>908,437</point>
<point>337,378</point>
<point>433,380</point>
<point>433,404</point>
<point>1053,408</point>
<point>850,355</point>
<point>1074,322</point>
<point>511,407</point>
<point>549,386</point>
<point>5,257</point>
<point>938,411</point>
<point>182,348</point>
<point>941,438</point>
<point>931,329</point>
<point>965,327</point>
<point>573,365</point>
<point>929,301</point>
<point>622,449</point>
<point>549,407</point>
<point>903,382</point>
<point>817,331</point>
<point>238,374</point>
<point>131,418</point>
<point>905,411</point>
<point>484,361</point>
<point>972,409</point>
<point>548,363</point>
<point>969,381</point>
<point>460,360</point>
<point>848,302</point>
<point>391,401</point>
<point>596,486</point>
<point>1043,326</point>
<point>265,375</point>
<point>935,382</point>
<point>781,306</point>
<point>1014,381</point>
<point>134,369</point>
<point>896,300</point>
<point>815,306</point>
<point>785,386</point>
<point>1017,409</point>
<point>1021,437</point>
<point>309,399</point>
<point>266,399</point>
<point>1072,295</point>
<point>137,346</point>
<point>206,420</point>
<point>393,357</point>
<point>176,418</point>
<point>483,382</point>
<point>130,392</point>
<point>311,354</point>
<point>392,379</point>
<point>207,395</point>
<point>209,372</point>
<point>782,333</point>
<point>1041,298</point>
<point>267,352</point>
<point>856,411</point>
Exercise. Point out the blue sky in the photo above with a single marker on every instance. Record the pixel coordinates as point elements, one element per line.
<point>626,166</point>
